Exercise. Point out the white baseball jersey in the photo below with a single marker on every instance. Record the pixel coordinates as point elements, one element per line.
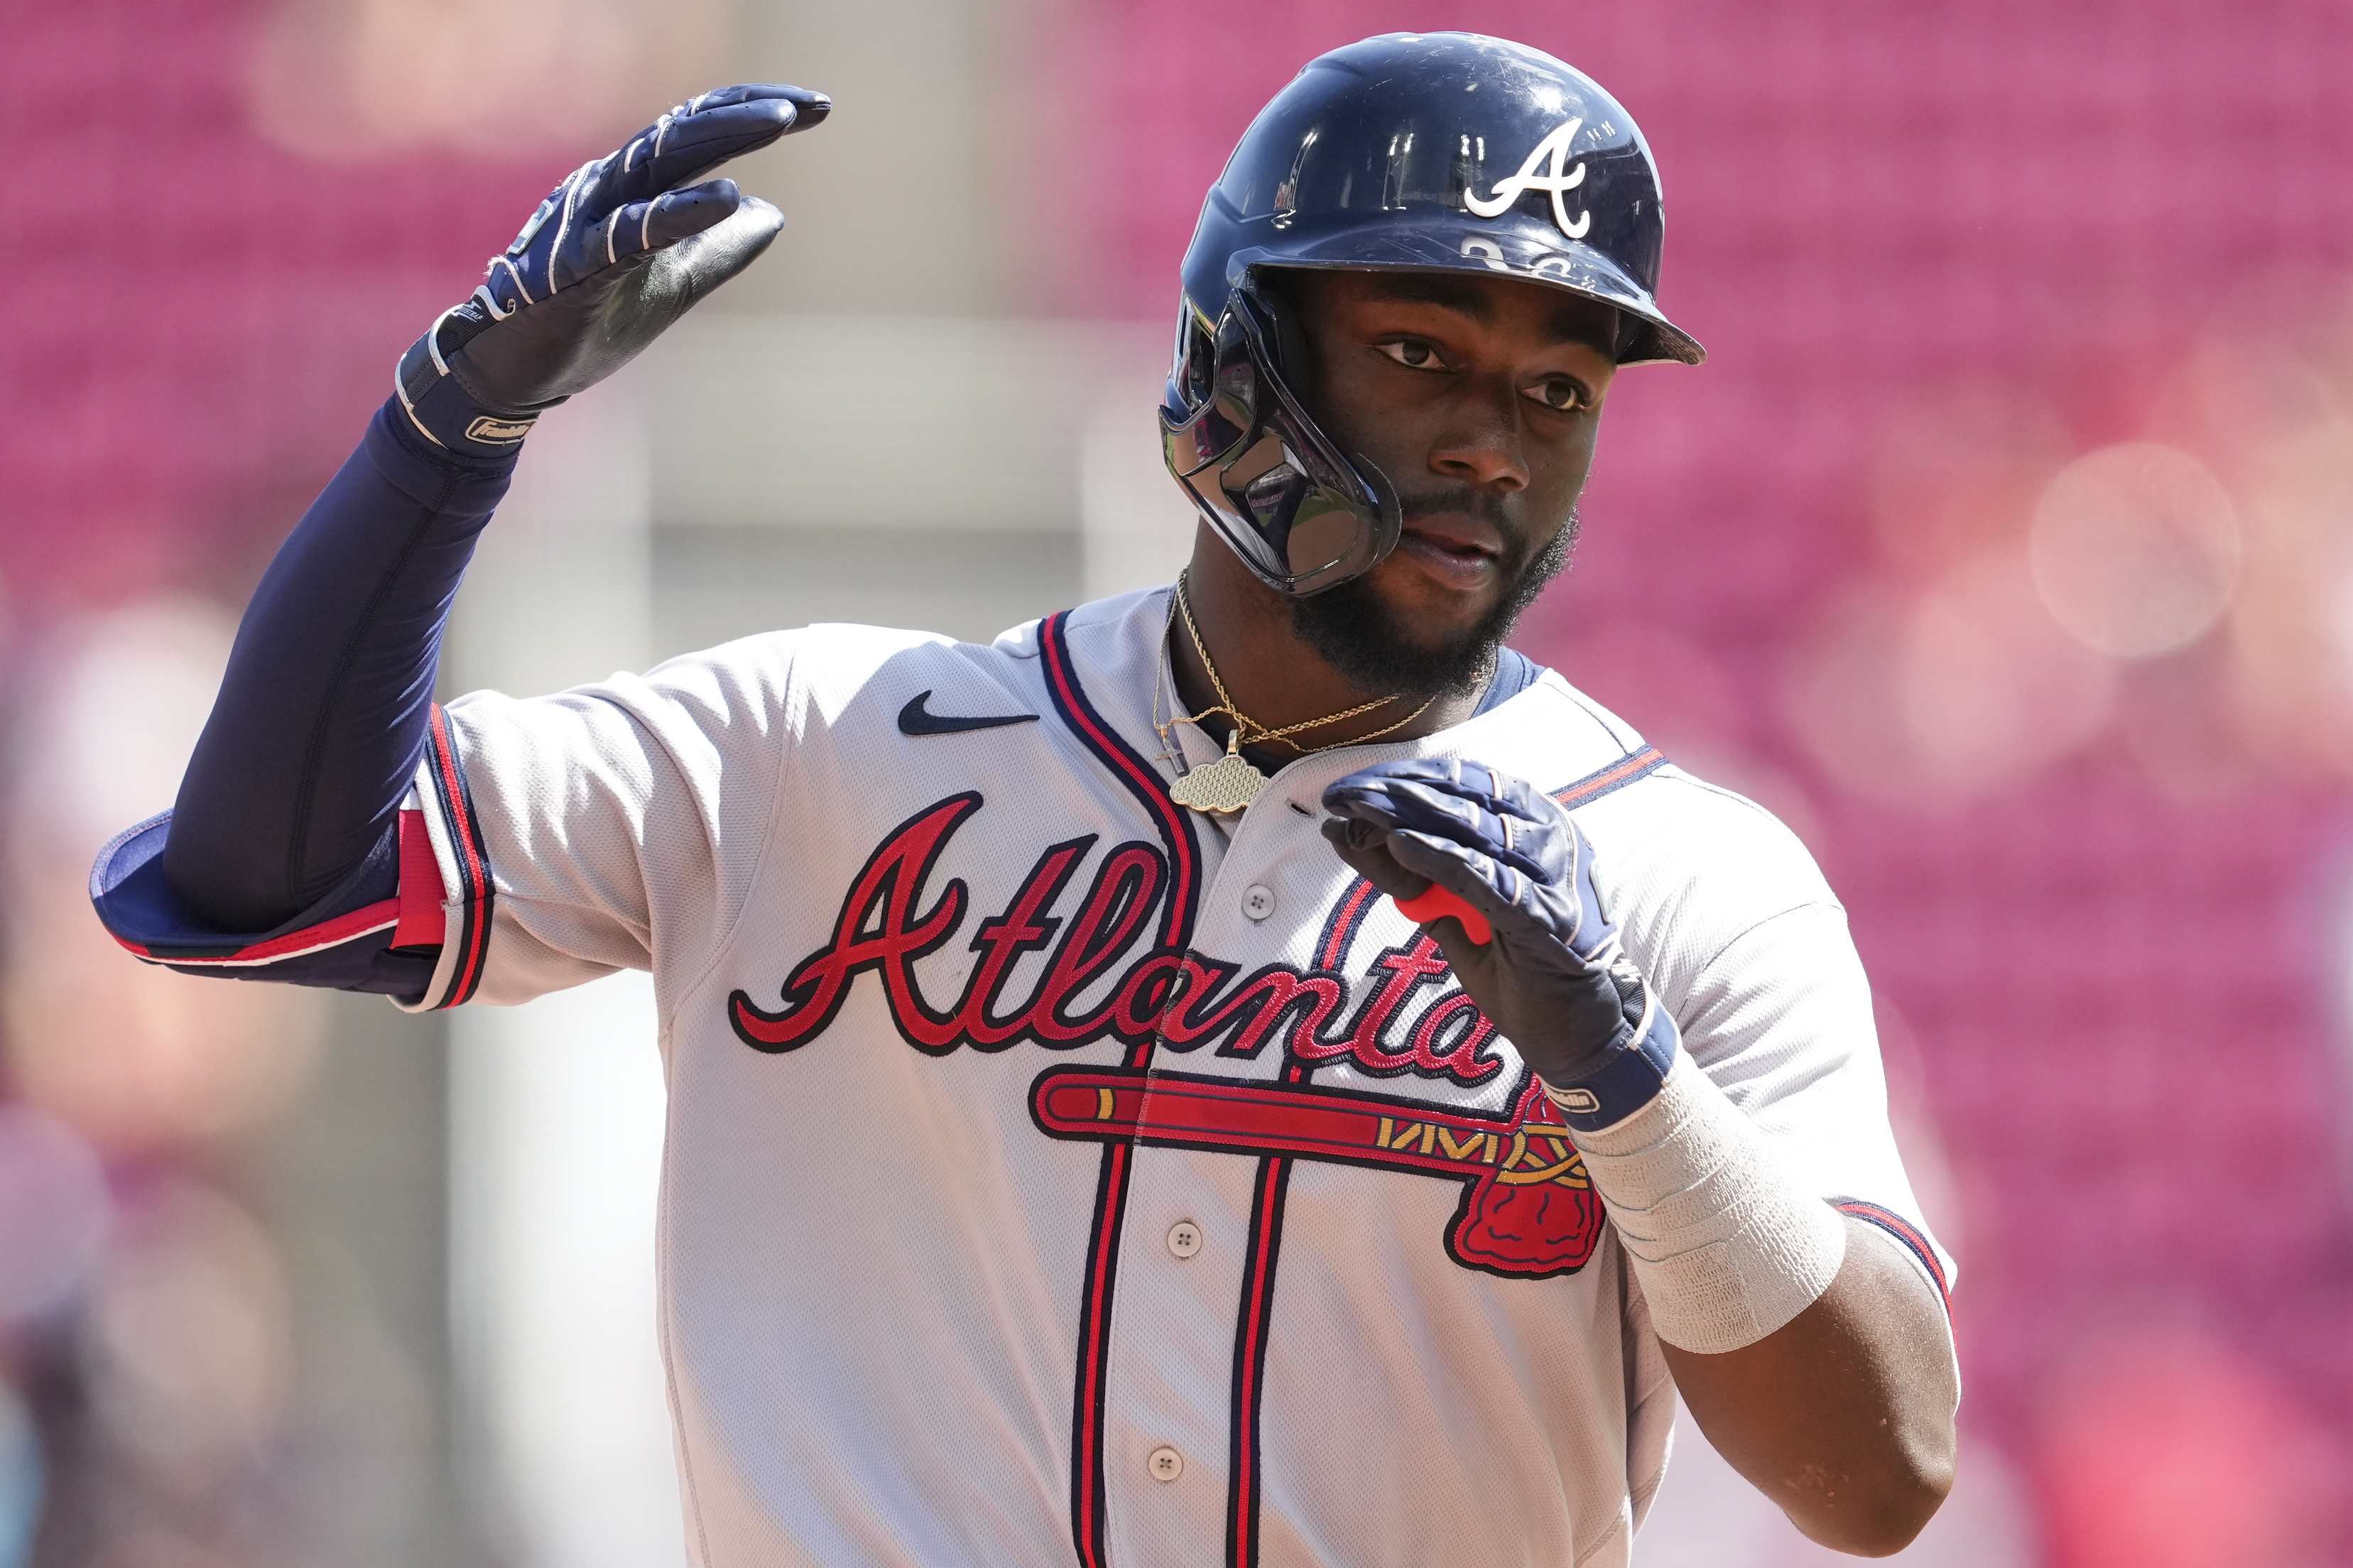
<point>1054,1175</point>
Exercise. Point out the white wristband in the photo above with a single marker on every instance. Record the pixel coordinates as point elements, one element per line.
<point>1727,1245</point>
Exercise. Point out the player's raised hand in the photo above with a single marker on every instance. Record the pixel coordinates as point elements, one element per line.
<point>1548,969</point>
<point>617,251</point>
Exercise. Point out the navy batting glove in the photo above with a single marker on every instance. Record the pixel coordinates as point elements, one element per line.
<point>615,253</point>
<point>1490,851</point>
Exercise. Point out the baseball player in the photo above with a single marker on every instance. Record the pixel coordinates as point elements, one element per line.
<point>1249,1068</point>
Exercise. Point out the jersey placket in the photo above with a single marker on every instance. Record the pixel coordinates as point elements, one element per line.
<point>1201,1249</point>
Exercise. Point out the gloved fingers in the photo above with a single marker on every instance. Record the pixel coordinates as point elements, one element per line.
<point>1498,793</point>
<point>1594,934</point>
<point>1440,773</point>
<point>809,106</point>
<point>1365,848</point>
<point>704,133</point>
<point>1487,886</point>
<point>582,249</point>
<point>663,221</point>
<point>1517,797</point>
<point>1423,806</point>
<point>1377,795</point>
<point>1470,961</point>
<point>1417,769</point>
<point>581,226</point>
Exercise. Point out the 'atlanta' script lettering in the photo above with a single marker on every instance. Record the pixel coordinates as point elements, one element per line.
<point>1411,1019</point>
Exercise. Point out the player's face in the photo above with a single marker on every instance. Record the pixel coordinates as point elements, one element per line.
<point>1480,399</point>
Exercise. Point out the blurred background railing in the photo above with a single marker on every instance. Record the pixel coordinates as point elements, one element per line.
<point>2005,548</point>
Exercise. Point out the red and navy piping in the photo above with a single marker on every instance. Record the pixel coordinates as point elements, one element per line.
<point>1176,830</point>
<point>1245,1468</point>
<point>1908,1235</point>
<point>455,799</point>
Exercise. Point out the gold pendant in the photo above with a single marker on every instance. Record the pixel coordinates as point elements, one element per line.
<point>1230,784</point>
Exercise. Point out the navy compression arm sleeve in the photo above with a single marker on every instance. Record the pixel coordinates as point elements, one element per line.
<point>321,716</point>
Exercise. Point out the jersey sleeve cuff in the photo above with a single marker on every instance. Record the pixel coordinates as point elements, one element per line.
<point>446,884</point>
<point>424,946</point>
<point>142,910</point>
<point>344,940</point>
<point>1923,1253</point>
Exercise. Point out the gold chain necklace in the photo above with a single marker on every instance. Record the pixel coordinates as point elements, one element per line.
<point>1231,783</point>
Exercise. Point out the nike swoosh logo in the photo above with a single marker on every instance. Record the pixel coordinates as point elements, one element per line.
<point>914,721</point>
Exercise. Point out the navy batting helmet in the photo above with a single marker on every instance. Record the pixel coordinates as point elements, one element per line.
<point>1437,152</point>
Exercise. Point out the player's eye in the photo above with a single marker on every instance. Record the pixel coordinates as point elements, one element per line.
<point>1561,393</point>
<point>1413,353</point>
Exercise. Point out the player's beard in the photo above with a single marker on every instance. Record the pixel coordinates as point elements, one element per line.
<point>1352,628</point>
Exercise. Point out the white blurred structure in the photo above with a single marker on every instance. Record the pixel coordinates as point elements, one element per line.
<point>556,1108</point>
<point>556,1114</point>
<point>953,474</point>
<point>1136,526</point>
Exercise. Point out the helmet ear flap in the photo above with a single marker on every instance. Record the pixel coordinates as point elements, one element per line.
<point>1194,375</point>
<point>1303,515</point>
<point>1295,363</point>
<point>1386,520</point>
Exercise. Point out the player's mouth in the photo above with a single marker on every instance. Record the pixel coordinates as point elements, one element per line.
<point>1460,553</point>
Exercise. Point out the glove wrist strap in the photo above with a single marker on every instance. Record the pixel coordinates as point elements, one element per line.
<point>1635,1071</point>
<point>438,404</point>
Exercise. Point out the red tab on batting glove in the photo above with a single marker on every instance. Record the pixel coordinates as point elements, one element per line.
<point>1427,907</point>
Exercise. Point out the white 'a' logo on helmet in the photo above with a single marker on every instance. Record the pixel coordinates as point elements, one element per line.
<point>1554,147</point>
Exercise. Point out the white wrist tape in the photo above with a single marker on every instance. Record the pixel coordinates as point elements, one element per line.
<point>1727,1245</point>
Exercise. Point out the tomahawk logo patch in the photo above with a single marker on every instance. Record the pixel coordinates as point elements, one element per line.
<point>1528,1209</point>
<point>1553,151</point>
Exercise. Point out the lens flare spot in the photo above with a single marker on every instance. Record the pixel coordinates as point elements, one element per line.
<point>2136,549</point>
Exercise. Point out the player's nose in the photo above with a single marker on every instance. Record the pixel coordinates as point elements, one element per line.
<point>1481,441</point>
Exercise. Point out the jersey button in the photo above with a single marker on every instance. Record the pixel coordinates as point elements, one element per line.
<point>1184,1239</point>
<point>1258,901</point>
<point>1165,1463</point>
